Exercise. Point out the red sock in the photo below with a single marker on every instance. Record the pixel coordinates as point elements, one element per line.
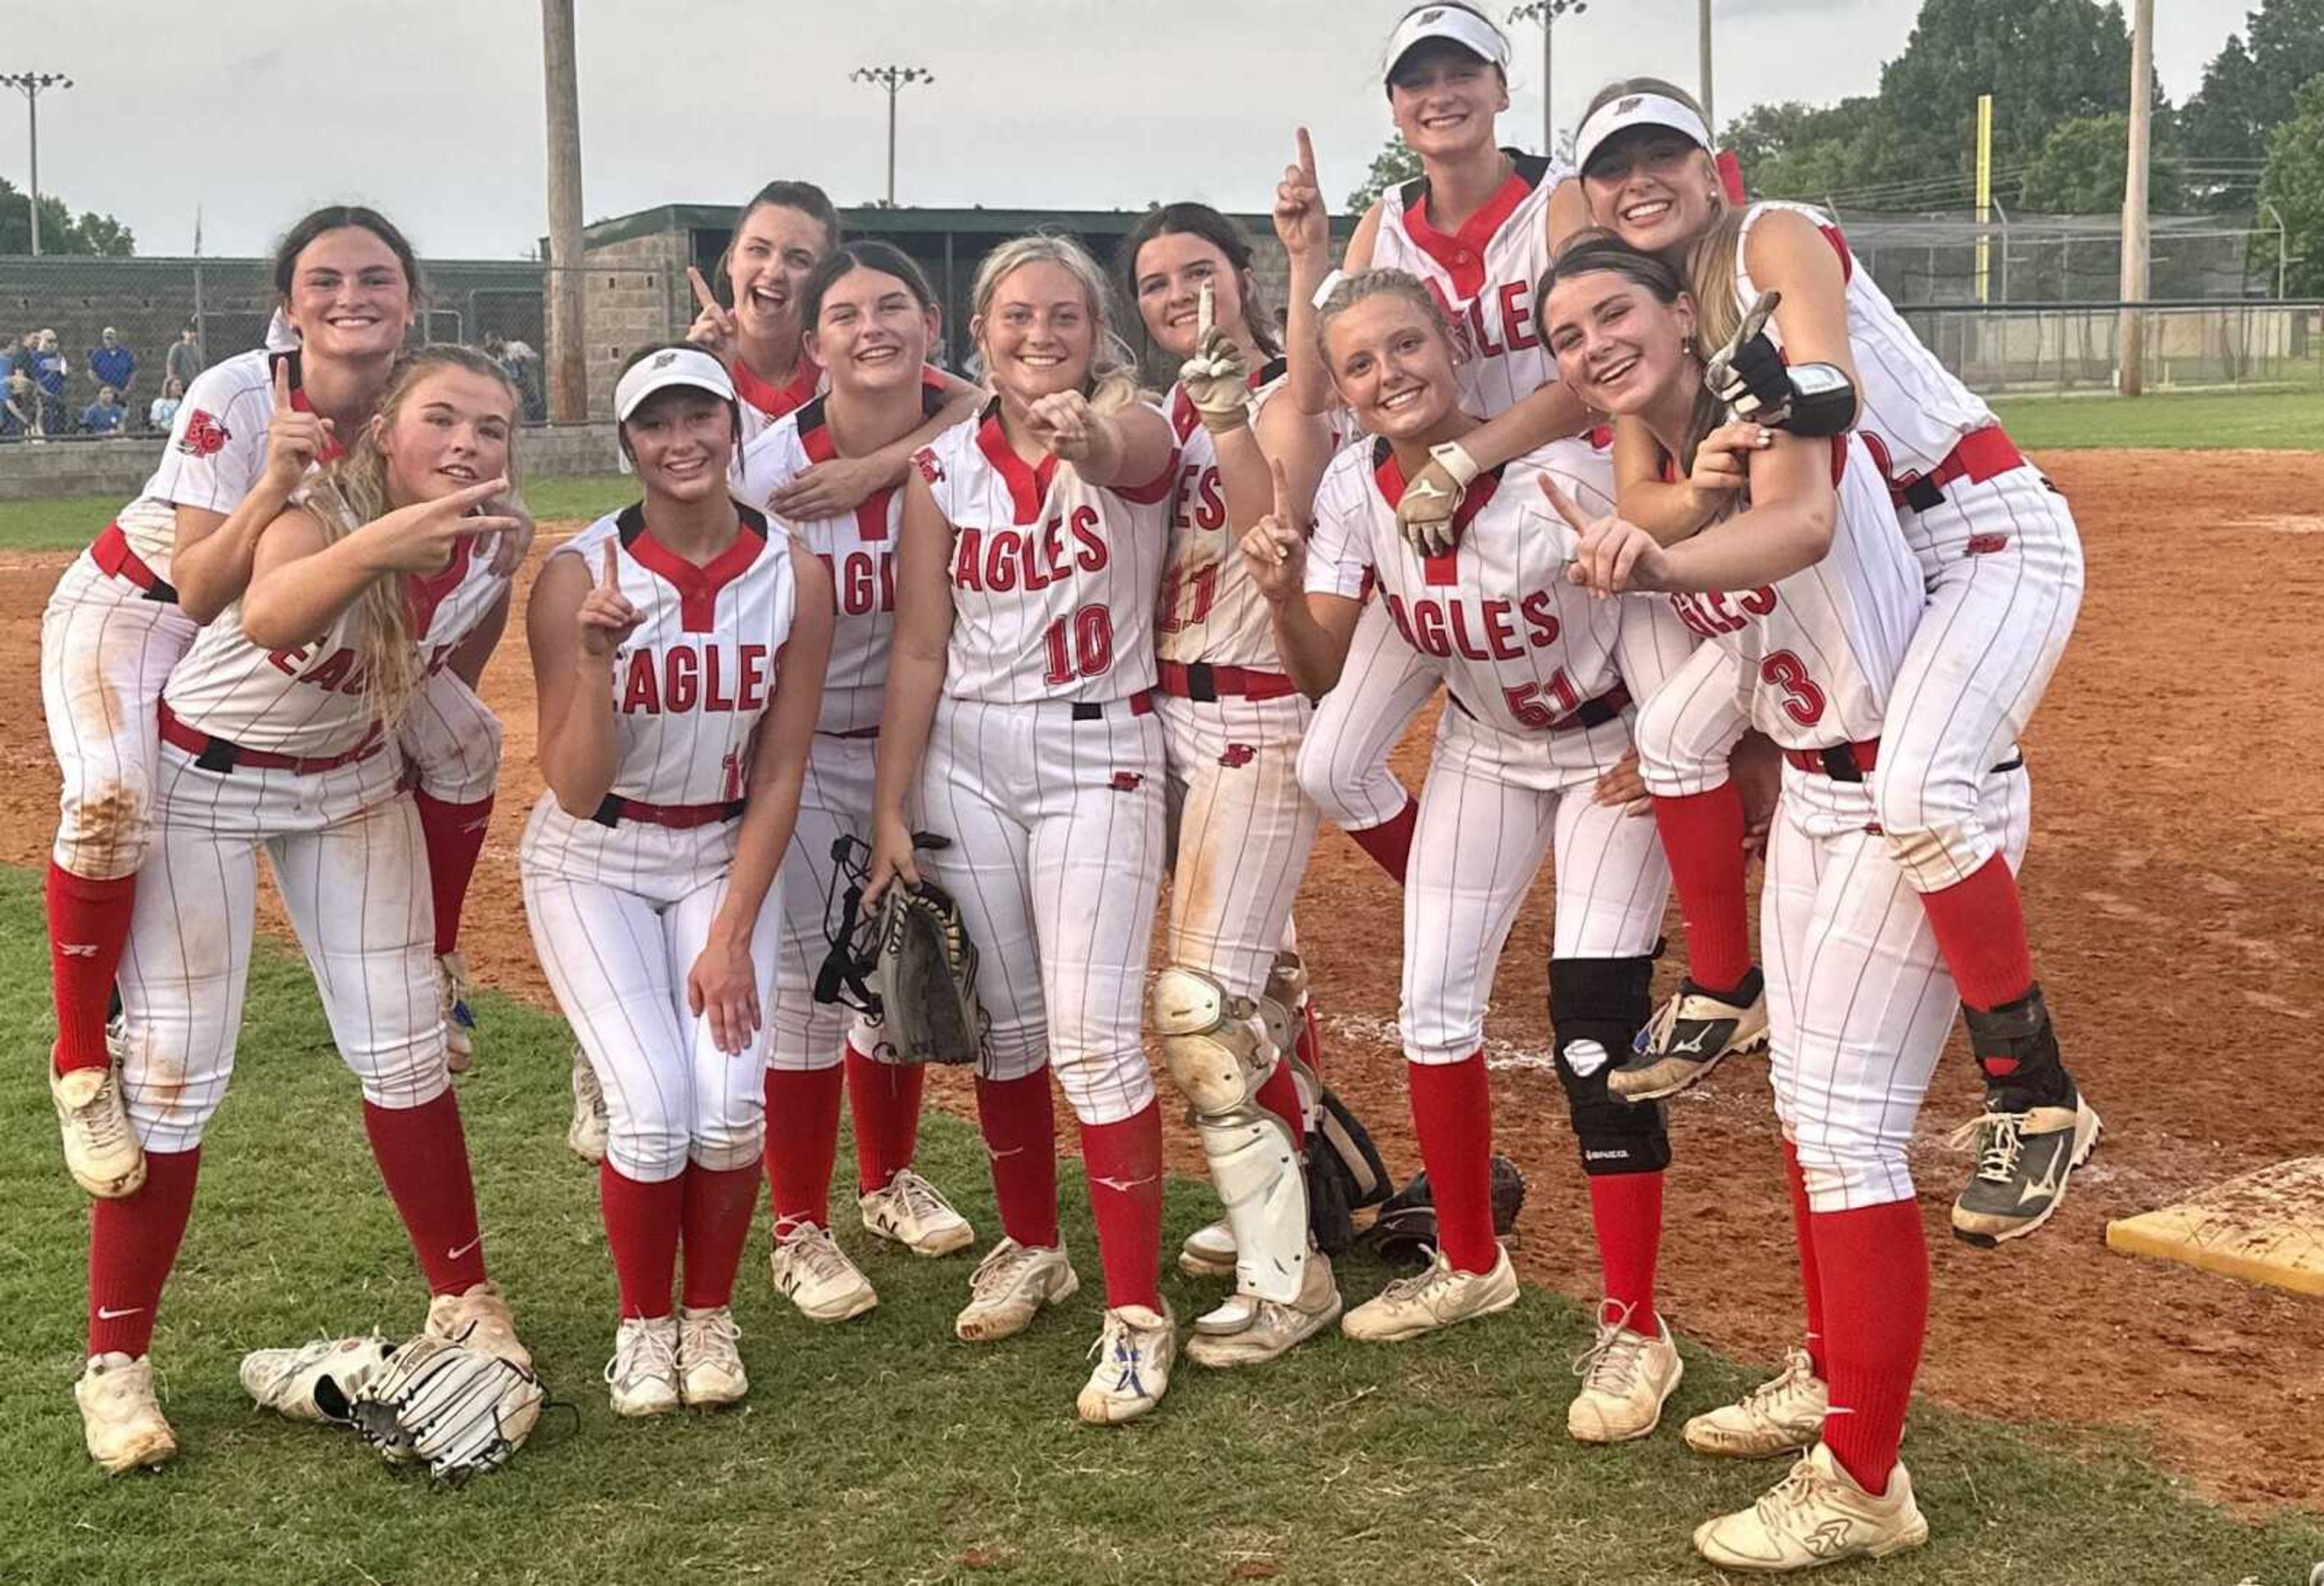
<point>455,835</point>
<point>1123,1163</point>
<point>133,1243</point>
<point>715,1224</point>
<point>1811,1283</point>
<point>1452,1114</point>
<point>884,1100</point>
<point>423,1155</point>
<point>1020,1137</point>
<point>1626,1210</point>
<point>1702,833</point>
<point>89,923</point>
<point>802,1139</point>
<point>1390,843</point>
<point>1875,1263</point>
<point>1280,1096</point>
<point>642,1227</point>
<point>1980,925</point>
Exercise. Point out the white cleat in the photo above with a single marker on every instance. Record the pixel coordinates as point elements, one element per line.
<point>452,996</point>
<point>1781,1416</point>
<point>101,1151</point>
<point>1248,1331</point>
<point>1209,1251</point>
<point>709,1365</point>
<point>585,1136</point>
<point>814,1274</point>
<point>316,1381</point>
<point>911,1211</point>
<point>120,1419</point>
<point>481,1319</point>
<point>1814,1516</point>
<point>1133,1351</point>
<point>1626,1380</point>
<point>642,1375</point>
<point>1009,1288</point>
<point>1439,1296</point>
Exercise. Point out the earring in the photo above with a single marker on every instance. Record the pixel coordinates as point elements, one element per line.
<point>1686,345</point>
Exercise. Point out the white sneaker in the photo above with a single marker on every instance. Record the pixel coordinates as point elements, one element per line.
<point>120,1420</point>
<point>1009,1288</point>
<point>585,1136</point>
<point>481,1319</point>
<point>316,1381</point>
<point>911,1211</point>
<point>814,1274</point>
<point>642,1375</point>
<point>452,996</point>
<point>1816,1516</point>
<point>709,1366</point>
<point>1436,1297</point>
<point>1625,1378</point>
<point>101,1151</point>
<point>1246,1330</point>
<point>1781,1416</point>
<point>1209,1251</point>
<point>1133,1351</point>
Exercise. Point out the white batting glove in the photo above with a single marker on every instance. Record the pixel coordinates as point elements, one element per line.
<point>1425,515</point>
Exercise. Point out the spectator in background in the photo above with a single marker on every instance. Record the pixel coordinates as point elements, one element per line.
<point>185,359</point>
<point>164,410</point>
<point>49,374</point>
<point>111,364</point>
<point>20,407</point>
<point>523,366</point>
<point>105,415</point>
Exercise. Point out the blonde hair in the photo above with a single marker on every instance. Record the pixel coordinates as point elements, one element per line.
<point>353,492</point>
<point>1112,382</point>
<point>1383,282</point>
<point>1710,277</point>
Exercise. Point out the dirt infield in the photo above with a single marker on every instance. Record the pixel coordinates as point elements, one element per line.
<point>2173,889</point>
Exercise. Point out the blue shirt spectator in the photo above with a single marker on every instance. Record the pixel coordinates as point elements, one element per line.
<point>164,410</point>
<point>104,416</point>
<point>111,364</point>
<point>49,366</point>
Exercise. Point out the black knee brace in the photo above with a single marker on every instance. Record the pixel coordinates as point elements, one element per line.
<point>1596,1007</point>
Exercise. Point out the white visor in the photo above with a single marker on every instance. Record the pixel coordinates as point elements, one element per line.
<point>1617,117</point>
<point>280,337</point>
<point>670,367</point>
<point>1451,23</point>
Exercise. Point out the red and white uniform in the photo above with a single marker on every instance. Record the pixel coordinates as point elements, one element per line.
<point>1045,764</point>
<point>450,738</point>
<point>620,898</point>
<point>764,406</point>
<point>1541,676</point>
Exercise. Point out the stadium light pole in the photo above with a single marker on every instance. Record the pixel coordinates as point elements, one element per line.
<point>1547,12</point>
<point>895,79</point>
<point>1702,53</point>
<point>2132,354</point>
<point>569,379</point>
<point>33,84</point>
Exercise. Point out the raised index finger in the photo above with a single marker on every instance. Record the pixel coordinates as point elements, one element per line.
<point>1562,504</point>
<point>702,296</point>
<point>282,385</point>
<point>1763,309</point>
<point>1306,155</point>
<point>1282,489</point>
<point>1205,314</point>
<point>612,578</point>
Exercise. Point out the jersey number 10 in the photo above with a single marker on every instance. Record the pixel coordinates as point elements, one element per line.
<point>1079,646</point>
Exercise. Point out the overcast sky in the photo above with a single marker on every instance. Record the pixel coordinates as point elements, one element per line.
<point>255,110</point>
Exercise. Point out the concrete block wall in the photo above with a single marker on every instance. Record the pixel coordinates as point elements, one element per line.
<point>636,294</point>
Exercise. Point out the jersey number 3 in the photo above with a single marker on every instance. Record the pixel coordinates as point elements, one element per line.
<point>1803,700</point>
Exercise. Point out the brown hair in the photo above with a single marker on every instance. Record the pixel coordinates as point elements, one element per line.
<point>340,217</point>
<point>804,197</point>
<point>1595,251</point>
<point>1221,232</point>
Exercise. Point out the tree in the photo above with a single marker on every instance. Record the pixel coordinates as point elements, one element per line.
<point>1795,151</point>
<point>2294,183</point>
<point>2247,91</point>
<point>2084,164</point>
<point>60,232</point>
<point>1394,165</point>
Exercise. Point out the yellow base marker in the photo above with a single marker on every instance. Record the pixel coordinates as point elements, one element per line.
<point>2265,1227</point>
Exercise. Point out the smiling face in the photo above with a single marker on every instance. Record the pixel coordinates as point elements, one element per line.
<point>1443,98</point>
<point>349,296</point>
<point>1654,188</point>
<point>1171,269</point>
<point>1618,347</point>
<point>872,334</point>
<point>681,441</point>
<point>1039,336</point>
<point>773,253</point>
<point>1393,364</point>
<point>450,430</point>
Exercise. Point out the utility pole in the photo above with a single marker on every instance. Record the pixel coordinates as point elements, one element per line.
<point>568,382</point>
<point>895,79</point>
<point>1547,12</point>
<point>31,85</point>
<point>2134,201</point>
<point>1702,50</point>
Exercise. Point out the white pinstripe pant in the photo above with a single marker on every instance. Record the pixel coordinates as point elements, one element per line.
<point>1056,862</point>
<point>834,801</point>
<point>451,740</point>
<point>1343,757</point>
<point>1244,832</point>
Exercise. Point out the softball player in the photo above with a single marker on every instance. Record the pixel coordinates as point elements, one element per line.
<point>871,317</point>
<point>1018,723</point>
<point>1809,594</point>
<point>1541,678</point>
<point>277,733</point>
<point>1229,1006</point>
<point>2002,563</point>
<point>678,647</point>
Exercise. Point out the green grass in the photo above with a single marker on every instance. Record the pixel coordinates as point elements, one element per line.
<point>2276,420</point>
<point>882,1451</point>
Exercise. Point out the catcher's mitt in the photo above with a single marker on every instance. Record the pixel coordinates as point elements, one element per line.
<point>458,1410</point>
<point>1344,1171</point>
<point>926,978</point>
<point>1405,1232</point>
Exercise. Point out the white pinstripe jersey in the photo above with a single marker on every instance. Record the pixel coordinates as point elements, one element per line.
<point>692,681</point>
<point>764,406</point>
<point>1910,410</point>
<point>217,451</point>
<point>1518,645</point>
<point>1484,276</point>
<point>446,608</point>
<point>859,550</point>
<point>1820,648</point>
<point>1054,579</point>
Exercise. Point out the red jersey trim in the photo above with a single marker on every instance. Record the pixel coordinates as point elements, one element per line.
<point>1463,252</point>
<point>698,586</point>
<point>778,401</point>
<point>421,596</point>
<point>1028,487</point>
<point>1157,490</point>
